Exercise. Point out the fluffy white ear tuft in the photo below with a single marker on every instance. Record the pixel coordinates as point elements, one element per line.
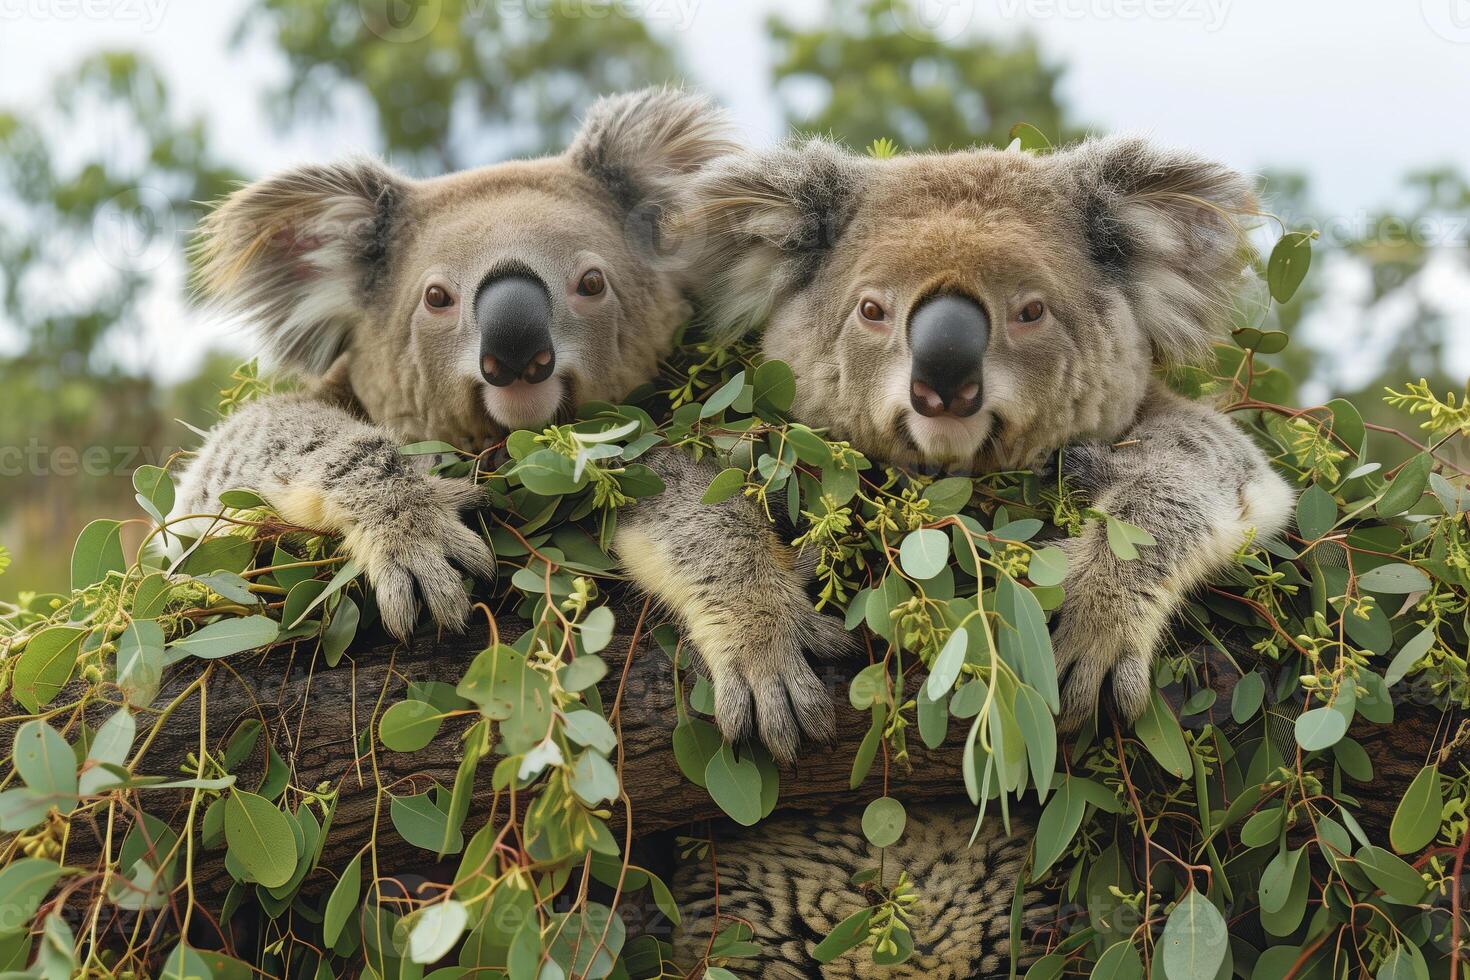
<point>300,253</point>
<point>764,220</point>
<point>1168,227</point>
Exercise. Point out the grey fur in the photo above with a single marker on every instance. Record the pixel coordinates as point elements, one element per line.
<point>331,264</point>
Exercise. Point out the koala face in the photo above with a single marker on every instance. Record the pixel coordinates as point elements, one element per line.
<point>979,308</point>
<point>462,306</point>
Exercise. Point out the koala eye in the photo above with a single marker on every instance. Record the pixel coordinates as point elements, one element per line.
<point>872,311</point>
<point>1032,311</point>
<point>592,283</point>
<point>436,297</point>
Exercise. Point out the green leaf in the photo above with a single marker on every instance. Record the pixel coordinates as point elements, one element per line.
<point>45,665</point>
<point>1316,512</point>
<point>435,930</point>
<point>1406,658</point>
<point>24,882</point>
<point>1417,818</point>
<point>185,963</point>
<point>1194,940</point>
<point>45,761</point>
<point>548,473</point>
<point>335,584</point>
<point>241,499</point>
<point>423,821</point>
<point>225,638</point>
<point>409,725</point>
<point>774,385</point>
<point>1404,963</point>
<point>724,397</point>
<point>1246,699</point>
<point>924,553</point>
<point>592,730</point>
<point>947,665</point>
<point>1030,137</point>
<point>1287,267</point>
<point>1124,538</point>
<point>1279,878</point>
<point>734,784</point>
<point>848,934</point>
<point>110,746</point>
<point>1027,638</point>
<point>1039,732</point>
<point>696,742</point>
<point>260,838</point>
<point>1406,489</point>
<point>1161,734</point>
<point>1048,567</point>
<point>340,631</point>
<point>1320,728</point>
<point>98,551</point>
<point>584,672</point>
<point>1393,874</point>
<point>883,821</point>
<point>1396,578</point>
<point>156,487</point>
<point>726,484</point>
<point>1059,822</point>
<point>1118,962</point>
<point>948,496</point>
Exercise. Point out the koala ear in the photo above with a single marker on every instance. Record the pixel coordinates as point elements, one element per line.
<point>1166,226</point>
<point>299,254</point>
<point>641,145</point>
<point>765,221</point>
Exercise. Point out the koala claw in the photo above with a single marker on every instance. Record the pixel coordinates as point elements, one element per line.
<point>420,550</point>
<point>771,690</point>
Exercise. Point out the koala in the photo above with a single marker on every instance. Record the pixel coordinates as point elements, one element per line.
<point>966,312</point>
<point>961,312</point>
<point>455,308</point>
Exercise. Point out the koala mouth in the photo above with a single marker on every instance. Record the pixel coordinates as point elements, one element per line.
<point>945,439</point>
<point>523,405</point>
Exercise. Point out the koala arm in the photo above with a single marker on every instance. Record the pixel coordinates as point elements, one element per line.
<point>1187,475</point>
<point>740,592</point>
<point>324,468</point>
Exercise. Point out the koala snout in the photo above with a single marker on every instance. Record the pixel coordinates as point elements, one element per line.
<point>947,338</point>
<point>514,315</point>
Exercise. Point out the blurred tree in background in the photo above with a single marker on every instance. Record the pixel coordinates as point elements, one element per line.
<point>98,184</point>
<point>456,83</point>
<point>96,189</point>
<point>876,71</point>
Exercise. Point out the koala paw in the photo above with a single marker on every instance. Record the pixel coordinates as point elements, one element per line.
<point>415,544</point>
<point>763,682</point>
<point>1110,624</point>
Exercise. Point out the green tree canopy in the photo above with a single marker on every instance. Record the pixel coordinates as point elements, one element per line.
<point>456,83</point>
<point>878,72</point>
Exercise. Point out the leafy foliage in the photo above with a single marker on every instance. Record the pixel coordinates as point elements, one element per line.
<point>1228,814</point>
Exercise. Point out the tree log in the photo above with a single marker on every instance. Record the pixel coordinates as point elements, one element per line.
<point>315,714</point>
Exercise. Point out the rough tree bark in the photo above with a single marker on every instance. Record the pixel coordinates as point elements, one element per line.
<point>314,714</point>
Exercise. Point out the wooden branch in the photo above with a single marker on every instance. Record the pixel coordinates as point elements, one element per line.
<point>315,715</point>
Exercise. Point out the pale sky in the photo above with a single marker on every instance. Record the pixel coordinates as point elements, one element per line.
<point>1354,92</point>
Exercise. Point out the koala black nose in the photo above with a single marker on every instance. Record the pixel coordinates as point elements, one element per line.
<point>947,338</point>
<point>514,315</point>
